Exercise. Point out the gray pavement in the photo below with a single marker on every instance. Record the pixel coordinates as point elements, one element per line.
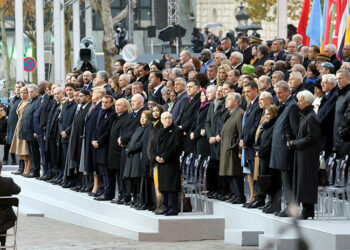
<point>43,233</point>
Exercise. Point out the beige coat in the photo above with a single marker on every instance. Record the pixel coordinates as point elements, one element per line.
<point>230,164</point>
<point>18,146</point>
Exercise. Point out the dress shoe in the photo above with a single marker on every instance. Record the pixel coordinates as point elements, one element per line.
<point>68,185</point>
<point>151,207</point>
<point>283,213</point>
<point>141,207</point>
<point>305,216</point>
<point>160,212</point>
<point>268,204</point>
<point>14,162</point>
<point>32,175</point>
<point>117,200</point>
<point>103,198</point>
<point>4,162</point>
<point>246,204</point>
<point>238,201</point>
<point>171,213</point>
<point>43,178</point>
<point>91,193</point>
<point>256,204</point>
<point>18,172</point>
<point>85,190</point>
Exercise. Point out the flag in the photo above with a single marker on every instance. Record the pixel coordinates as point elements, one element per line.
<point>347,33</point>
<point>343,27</point>
<point>339,9</point>
<point>330,17</point>
<point>304,16</point>
<point>314,26</point>
<point>324,17</point>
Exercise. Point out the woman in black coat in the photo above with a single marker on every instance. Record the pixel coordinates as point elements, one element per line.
<point>197,130</point>
<point>135,158</point>
<point>263,151</point>
<point>167,153</point>
<point>306,157</point>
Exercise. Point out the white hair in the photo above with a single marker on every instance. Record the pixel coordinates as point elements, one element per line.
<point>331,47</point>
<point>236,96</point>
<point>330,78</point>
<point>307,95</point>
<point>239,55</point>
<point>297,75</point>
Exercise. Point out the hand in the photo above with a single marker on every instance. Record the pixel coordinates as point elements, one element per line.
<point>240,156</point>
<point>192,136</point>
<point>241,144</point>
<point>35,136</point>
<point>161,160</point>
<point>180,126</point>
<point>64,134</point>
<point>95,144</point>
<point>288,143</point>
<point>119,141</point>
<point>212,140</point>
<point>202,132</point>
<point>218,138</point>
<point>185,133</point>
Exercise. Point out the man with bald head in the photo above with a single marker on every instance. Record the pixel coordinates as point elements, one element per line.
<point>133,121</point>
<point>206,57</point>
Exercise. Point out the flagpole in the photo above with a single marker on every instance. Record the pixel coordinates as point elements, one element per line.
<point>282,18</point>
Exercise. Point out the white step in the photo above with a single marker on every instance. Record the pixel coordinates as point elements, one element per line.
<point>80,209</point>
<point>278,242</point>
<point>242,237</point>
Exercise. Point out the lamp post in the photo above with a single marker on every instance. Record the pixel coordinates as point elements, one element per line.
<point>242,16</point>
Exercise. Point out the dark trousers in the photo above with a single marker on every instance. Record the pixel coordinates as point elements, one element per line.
<point>146,195</point>
<point>34,154</point>
<point>237,186</point>
<point>275,191</point>
<point>52,157</point>
<point>103,177</point>
<point>112,176</point>
<point>3,238</point>
<point>170,202</point>
<point>64,150</point>
<point>21,165</point>
<point>42,153</point>
<point>6,153</point>
<point>214,182</point>
<point>287,181</point>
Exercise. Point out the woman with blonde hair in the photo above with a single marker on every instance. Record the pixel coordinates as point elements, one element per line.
<point>223,74</point>
<point>18,146</point>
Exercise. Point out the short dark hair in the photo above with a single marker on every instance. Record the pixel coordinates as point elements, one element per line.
<point>316,48</point>
<point>196,82</point>
<point>251,84</point>
<point>226,39</point>
<point>213,66</point>
<point>202,79</point>
<point>244,39</point>
<point>145,67</point>
<point>312,67</point>
<point>231,85</point>
<point>121,61</point>
<point>109,97</point>
<point>72,85</point>
<point>237,72</point>
<point>158,74</point>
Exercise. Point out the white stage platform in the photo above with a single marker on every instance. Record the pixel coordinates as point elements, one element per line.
<point>239,226</point>
<point>39,198</point>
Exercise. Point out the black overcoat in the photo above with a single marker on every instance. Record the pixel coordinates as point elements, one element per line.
<point>66,119</point>
<point>12,118</point>
<point>45,110</point>
<point>306,157</point>
<point>201,142</point>
<point>168,146</point>
<point>27,131</point>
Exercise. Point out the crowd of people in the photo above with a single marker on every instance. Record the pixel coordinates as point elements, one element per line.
<point>264,109</point>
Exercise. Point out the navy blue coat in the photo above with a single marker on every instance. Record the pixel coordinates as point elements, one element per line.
<point>45,110</point>
<point>286,126</point>
<point>90,127</point>
<point>325,116</point>
<point>178,107</point>
<point>66,118</point>
<point>158,94</point>
<point>36,119</point>
<point>103,128</point>
<point>27,131</point>
<point>133,122</point>
<point>12,118</point>
<point>251,123</point>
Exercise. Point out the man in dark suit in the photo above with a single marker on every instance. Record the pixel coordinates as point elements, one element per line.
<point>7,216</point>
<point>102,81</point>
<point>226,44</point>
<point>326,111</point>
<point>100,143</point>
<point>296,84</point>
<point>236,60</point>
<point>251,122</point>
<point>156,78</point>
<point>285,129</point>
<point>331,51</point>
<point>245,49</point>
<point>277,49</point>
<point>87,79</point>
<point>65,121</point>
<point>181,99</point>
<point>133,121</point>
<point>27,130</point>
<point>187,116</point>
<point>144,75</point>
<point>212,72</point>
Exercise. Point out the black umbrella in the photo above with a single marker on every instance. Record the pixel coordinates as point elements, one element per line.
<point>171,32</point>
<point>249,27</point>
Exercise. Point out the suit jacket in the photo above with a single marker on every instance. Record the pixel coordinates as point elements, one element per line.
<point>108,89</point>
<point>247,55</point>
<point>12,118</point>
<point>178,107</point>
<point>281,56</point>
<point>295,91</point>
<point>45,110</point>
<point>252,118</point>
<point>133,122</point>
<point>158,94</point>
<point>286,128</point>
<point>27,131</point>
<point>7,216</point>
<point>65,120</point>
<point>188,113</point>
<point>336,63</point>
<point>102,132</point>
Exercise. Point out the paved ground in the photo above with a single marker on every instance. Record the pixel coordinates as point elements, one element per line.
<point>42,233</point>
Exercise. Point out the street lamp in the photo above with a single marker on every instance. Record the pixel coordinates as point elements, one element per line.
<point>242,17</point>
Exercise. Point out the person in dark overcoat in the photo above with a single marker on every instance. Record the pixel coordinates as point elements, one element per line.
<point>27,131</point>
<point>3,125</point>
<point>135,157</point>
<point>180,101</point>
<point>122,108</point>
<point>285,129</point>
<point>75,179</point>
<point>133,122</point>
<point>65,121</point>
<point>100,142</point>
<point>90,126</point>
<point>306,158</point>
<point>325,113</point>
<point>188,113</point>
<point>151,175</point>
<point>214,94</point>
<point>7,216</point>
<point>343,101</point>
<point>230,166</point>
<point>11,126</point>
<point>52,136</point>
<point>167,151</point>
<point>198,135</point>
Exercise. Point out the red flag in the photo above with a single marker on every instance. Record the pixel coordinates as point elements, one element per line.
<point>328,34</point>
<point>340,7</point>
<point>304,16</point>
